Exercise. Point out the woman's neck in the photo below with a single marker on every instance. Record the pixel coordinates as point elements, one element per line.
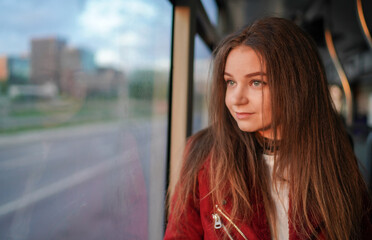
<point>268,146</point>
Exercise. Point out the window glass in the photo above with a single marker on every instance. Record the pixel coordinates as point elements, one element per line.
<point>201,75</point>
<point>83,118</point>
<point>211,9</point>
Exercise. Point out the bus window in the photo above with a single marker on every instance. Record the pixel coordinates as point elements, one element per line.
<point>202,71</point>
<point>83,118</point>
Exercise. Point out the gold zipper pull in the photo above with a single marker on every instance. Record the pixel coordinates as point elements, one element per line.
<point>217,221</point>
<point>228,219</point>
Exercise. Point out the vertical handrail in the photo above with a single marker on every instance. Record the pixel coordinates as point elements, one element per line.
<point>341,73</point>
<point>363,23</point>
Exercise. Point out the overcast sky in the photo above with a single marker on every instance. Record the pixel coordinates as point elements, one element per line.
<point>121,33</point>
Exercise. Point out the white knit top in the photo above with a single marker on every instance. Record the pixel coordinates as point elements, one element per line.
<point>280,198</point>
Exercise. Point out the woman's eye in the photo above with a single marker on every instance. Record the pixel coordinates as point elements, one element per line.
<point>230,82</point>
<point>257,83</point>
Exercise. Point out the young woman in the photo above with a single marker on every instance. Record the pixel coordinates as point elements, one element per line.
<point>276,162</point>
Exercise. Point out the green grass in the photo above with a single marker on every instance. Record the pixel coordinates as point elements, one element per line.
<point>72,112</point>
<point>10,131</point>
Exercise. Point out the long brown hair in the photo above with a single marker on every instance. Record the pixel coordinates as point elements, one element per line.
<point>315,153</point>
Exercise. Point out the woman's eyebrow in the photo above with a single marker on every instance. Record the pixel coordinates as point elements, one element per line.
<point>247,75</point>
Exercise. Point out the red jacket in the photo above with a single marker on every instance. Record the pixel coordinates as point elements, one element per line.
<point>203,221</point>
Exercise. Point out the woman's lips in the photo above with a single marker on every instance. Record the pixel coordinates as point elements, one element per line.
<point>243,115</point>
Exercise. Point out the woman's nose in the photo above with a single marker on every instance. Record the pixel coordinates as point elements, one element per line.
<point>240,96</point>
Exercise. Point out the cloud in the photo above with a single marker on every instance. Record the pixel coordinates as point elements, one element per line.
<point>101,17</point>
<point>142,9</point>
<point>129,39</point>
<point>105,17</point>
<point>107,57</point>
<point>128,34</point>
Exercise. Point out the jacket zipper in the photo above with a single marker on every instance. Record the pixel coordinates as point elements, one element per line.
<point>218,224</point>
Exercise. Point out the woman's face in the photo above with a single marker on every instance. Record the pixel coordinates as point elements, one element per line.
<point>247,91</point>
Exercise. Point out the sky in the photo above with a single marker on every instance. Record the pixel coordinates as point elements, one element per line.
<point>125,34</point>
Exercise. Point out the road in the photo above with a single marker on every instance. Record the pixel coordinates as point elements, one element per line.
<point>89,182</point>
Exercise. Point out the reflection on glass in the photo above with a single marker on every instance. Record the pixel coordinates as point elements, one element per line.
<point>201,75</point>
<point>83,118</point>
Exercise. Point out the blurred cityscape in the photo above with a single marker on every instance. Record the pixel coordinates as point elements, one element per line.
<point>53,68</point>
<point>58,84</point>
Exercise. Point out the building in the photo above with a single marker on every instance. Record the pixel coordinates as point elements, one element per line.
<point>14,69</point>
<point>73,61</point>
<point>3,69</point>
<point>46,60</point>
<point>104,82</point>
